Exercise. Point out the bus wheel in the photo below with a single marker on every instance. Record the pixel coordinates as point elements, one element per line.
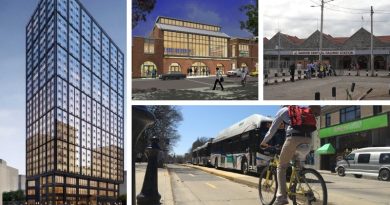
<point>216,163</point>
<point>244,166</point>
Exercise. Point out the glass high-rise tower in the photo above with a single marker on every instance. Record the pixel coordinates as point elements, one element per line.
<point>74,107</point>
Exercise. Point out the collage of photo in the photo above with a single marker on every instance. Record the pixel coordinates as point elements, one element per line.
<point>193,102</point>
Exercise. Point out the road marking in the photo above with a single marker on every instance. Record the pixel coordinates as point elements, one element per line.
<point>191,175</point>
<point>212,186</point>
<point>199,82</point>
<point>221,177</point>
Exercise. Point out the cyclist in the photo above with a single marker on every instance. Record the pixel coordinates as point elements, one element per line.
<point>293,139</point>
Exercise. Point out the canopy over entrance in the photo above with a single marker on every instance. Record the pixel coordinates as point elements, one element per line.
<point>326,149</point>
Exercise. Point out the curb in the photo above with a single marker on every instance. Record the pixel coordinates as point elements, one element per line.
<point>238,180</point>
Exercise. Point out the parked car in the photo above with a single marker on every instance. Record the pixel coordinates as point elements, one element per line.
<point>370,161</point>
<point>234,73</point>
<point>173,75</point>
<point>254,73</point>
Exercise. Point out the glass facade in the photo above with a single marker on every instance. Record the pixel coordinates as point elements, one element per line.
<point>188,24</point>
<point>74,108</point>
<point>186,44</point>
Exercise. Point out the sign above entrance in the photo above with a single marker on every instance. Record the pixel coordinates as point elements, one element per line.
<point>328,53</point>
<point>355,126</point>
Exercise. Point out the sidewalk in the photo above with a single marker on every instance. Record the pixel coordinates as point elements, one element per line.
<point>164,183</point>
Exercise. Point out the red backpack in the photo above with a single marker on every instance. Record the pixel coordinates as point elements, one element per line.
<point>302,119</point>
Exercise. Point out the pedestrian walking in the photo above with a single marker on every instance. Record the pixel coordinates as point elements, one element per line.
<point>218,78</point>
<point>292,72</point>
<point>244,73</point>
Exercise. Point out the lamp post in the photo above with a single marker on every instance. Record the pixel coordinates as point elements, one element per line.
<point>142,118</point>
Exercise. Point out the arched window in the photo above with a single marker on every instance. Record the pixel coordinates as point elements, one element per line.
<point>198,68</point>
<point>175,67</point>
<point>148,70</point>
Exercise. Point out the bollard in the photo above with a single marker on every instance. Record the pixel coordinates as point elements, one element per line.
<point>149,194</point>
<point>367,73</point>
<point>317,96</point>
<point>376,73</point>
<point>334,92</point>
<point>284,80</point>
<point>352,87</point>
<point>276,81</point>
<point>141,118</point>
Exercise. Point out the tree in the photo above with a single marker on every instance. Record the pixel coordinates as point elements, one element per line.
<point>13,196</point>
<point>251,24</point>
<point>140,9</point>
<point>198,142</point>
<point>165,128</point>
<point>123,198</point>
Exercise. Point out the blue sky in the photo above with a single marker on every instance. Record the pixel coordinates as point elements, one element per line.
<point>14,15</point>
<point>224,13</point>
<point>208,121</point>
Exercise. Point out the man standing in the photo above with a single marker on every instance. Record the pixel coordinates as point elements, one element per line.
<point>292,72</point>
<point>218,79</point>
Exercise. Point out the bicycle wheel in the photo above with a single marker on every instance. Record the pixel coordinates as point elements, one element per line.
<point>268,185</point>
<point>311,188</point>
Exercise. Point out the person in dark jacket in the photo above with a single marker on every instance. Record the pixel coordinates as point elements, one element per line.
<point>292,72</point>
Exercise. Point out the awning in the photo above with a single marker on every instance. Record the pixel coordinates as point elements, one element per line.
<point>326,149</point>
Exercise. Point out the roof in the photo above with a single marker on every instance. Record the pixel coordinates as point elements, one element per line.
<point>251,122</point>
<point>185,21</point>
<point>294,39</point>
<point>190,30</point>
<point>385,39</point>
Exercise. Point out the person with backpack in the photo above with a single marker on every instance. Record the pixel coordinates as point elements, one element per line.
<point>300,123</point>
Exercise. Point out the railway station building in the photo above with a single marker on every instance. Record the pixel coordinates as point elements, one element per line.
<point>191,48</point>
<point>347,128</point>
<point>340,52</point>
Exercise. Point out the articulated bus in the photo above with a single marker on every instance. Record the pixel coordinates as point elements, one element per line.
<point>201,154</point>
<point>238,146</point>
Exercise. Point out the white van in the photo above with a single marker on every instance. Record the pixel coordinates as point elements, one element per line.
<point>370,161</point>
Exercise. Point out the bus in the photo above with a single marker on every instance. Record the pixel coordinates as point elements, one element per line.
<point>201,154</point>
<point>238,146</point>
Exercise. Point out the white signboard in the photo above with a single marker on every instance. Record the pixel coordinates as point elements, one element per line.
<point>328,53</point>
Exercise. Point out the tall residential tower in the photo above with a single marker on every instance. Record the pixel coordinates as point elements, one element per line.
<point>74,107</point>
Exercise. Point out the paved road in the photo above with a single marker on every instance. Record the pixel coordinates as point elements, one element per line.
<point>187,83</point>
<point>194,89</point>
<point>306,89</point>
<point>193,187</point>
<point>190,185</point>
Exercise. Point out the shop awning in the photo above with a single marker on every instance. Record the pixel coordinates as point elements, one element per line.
<point>326,149</point>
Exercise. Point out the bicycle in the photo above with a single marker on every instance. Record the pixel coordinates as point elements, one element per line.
<point>306,185</point>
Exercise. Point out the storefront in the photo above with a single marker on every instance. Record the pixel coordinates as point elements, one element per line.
<point>372,131</point>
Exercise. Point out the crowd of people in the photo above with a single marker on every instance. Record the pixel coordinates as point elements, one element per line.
<point>320,70</point>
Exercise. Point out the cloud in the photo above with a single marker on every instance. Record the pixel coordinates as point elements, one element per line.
<point>196,13</point>
<point>341,18</point>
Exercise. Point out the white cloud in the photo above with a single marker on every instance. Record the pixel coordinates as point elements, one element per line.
<point>298,18</point>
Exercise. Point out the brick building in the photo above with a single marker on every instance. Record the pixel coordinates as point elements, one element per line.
<point>341,52</point>
<point>191,48</point>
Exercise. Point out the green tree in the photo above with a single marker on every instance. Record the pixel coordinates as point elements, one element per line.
<point>140,9</point>
<point>123,199</point>
<point>165,128</point>
<point>252,12</point>
<point>14,196</point>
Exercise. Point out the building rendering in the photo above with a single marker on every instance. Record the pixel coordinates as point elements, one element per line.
<point>191,48</point>
<point>74,107</point>
<point>352,127</point>
<point>10,180</point>
<point>340,52</point>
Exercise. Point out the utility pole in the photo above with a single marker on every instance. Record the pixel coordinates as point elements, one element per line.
<point>372,42</point>
<point>321,32</point>
<point>279,50</point>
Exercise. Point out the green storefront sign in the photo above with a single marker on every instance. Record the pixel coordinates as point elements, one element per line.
<point>356,126</point>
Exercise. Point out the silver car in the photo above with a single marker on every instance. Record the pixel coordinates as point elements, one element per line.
<point>370,161</point>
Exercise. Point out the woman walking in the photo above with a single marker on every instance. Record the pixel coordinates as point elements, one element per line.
<point>218,79</point>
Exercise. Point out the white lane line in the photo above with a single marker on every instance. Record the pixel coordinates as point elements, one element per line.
<point>210,185</point>
<point>191,175</point>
